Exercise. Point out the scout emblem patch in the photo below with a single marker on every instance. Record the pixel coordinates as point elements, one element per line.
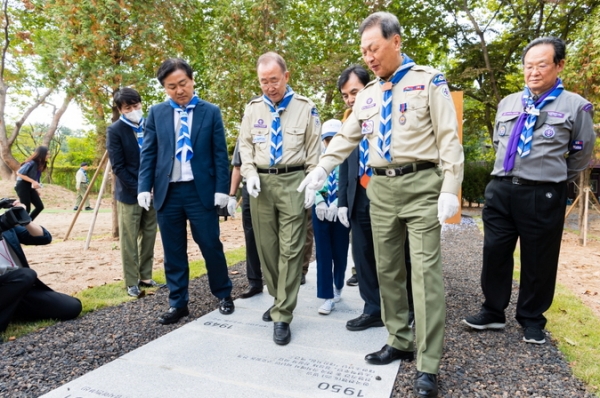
<point>369,104</point>
<point>367,127</point>
<point>502,130</point>
<point>438,80</point>
<point>260,124</point>
<point>549,133</point>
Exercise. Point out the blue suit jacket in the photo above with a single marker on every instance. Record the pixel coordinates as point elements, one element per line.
<point>210,163</point>
<point>348,181</point>
<point>124,154</point>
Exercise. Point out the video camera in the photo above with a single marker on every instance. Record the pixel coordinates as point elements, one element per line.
<point>13,216</point>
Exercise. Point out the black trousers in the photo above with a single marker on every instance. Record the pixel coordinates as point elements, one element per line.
<point>253,271</point>
<point>28,196</point>
<point>22,297</point>
<point>363,254</point>
<point>534,215</point>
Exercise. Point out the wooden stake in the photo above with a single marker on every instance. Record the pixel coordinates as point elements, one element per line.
<point>85,196</point>
<point>97,208</point>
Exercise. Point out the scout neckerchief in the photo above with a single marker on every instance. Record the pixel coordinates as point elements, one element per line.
<point>384,138</point>
<point>522,135</point>
<point>138,130</point>
<point>184,151</point>
<point>85,181</point>
<point>332,187</point>
<point>276,134</point>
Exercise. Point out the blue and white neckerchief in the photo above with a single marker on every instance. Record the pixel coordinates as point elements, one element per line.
<point>276,153</point>
<point>184,151</point>
<point>363,158</point>
<point>384,137</point>
<point>138,130</point>
<point>332,187</point>
<point>521,138</point>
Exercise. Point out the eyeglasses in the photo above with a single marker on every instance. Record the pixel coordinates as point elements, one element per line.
<point>270,84</point>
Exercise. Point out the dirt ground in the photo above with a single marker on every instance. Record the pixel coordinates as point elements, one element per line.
<point>67,267</point>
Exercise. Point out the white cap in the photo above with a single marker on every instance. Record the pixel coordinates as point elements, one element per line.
<point>330,128</point>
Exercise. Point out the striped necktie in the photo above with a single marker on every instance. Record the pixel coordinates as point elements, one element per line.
<point>384,138</point>
<point>184,151</point>
<point>276,153</point>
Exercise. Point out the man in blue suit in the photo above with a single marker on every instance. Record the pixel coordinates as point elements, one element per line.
<point>184,159</point>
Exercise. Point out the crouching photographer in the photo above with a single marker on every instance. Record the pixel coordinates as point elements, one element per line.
<point>22,295</point>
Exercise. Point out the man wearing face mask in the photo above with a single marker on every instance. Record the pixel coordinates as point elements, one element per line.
<point>137,226</point>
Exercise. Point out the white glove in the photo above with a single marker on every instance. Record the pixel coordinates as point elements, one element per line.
<point>231,206</point>
<point>343,216</point>
<point>309,198</point>
<point>253,186</point>
<point>221,199</point>
<point>144,200</point>
<point>314,180</point>
<point>321,210</point>
<point>447,206</point>
<point>332,213</point>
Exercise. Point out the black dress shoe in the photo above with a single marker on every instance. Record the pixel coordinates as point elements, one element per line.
<point>267,315</point>
<point>389,354</point>
<point>226,306</point>
<point>426,385</point>
<point>251,291</point>
<point>173,315</point>
<point>303,279</point>
<point>281,333</point>
<point>363,322</point>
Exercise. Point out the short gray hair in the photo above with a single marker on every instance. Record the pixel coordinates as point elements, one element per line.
<point>272,56</point>
<point>387,22</point>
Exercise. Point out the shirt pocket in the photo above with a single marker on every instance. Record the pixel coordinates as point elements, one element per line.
<point>260,140</point>
<point>505,123</point>
<point>553,135</point>
<point>416,113</point>
<point>293,139</point>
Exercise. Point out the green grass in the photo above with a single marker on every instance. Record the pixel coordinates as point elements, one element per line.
<point>112,294</point>
<point>574,327</point>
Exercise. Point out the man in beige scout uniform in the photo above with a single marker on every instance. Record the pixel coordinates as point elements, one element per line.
<point>409,119</point>
<point>279,140</point>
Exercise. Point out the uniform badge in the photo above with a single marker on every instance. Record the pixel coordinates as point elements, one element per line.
<point>438,80</point>
<point>369,104</point>
<point>576,146</point>
<point>314,112</point>
<point>446,92</point>
<point>259,139</point>
<point>367,127</point>
<point>549,133</point>
<point>549,195</point>
<point>587,107</point>
<point>414,88</point>
<point>502,130</point>
<point>402,108</point>
<point>260,124</point>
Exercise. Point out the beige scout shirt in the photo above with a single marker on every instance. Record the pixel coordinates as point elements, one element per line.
<point>300,125</point>
<point>424,126</point>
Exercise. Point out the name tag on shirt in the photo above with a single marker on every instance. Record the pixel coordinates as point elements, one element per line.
<point>259,139</point>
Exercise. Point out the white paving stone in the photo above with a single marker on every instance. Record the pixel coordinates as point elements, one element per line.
<point>235,356</point>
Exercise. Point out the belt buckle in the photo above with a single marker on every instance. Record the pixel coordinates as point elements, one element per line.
<point>515,181</point>
<point>272,170</point>
<point>391,172</point>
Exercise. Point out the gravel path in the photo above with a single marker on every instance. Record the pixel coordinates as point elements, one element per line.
<point>484,364</point>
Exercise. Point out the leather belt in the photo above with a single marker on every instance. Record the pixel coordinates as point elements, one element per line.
<point>522,181</point>
<point>406,169</point>
<point>280,170</point>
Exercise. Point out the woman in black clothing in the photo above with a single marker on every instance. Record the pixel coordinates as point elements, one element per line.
<point>28,180</point>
